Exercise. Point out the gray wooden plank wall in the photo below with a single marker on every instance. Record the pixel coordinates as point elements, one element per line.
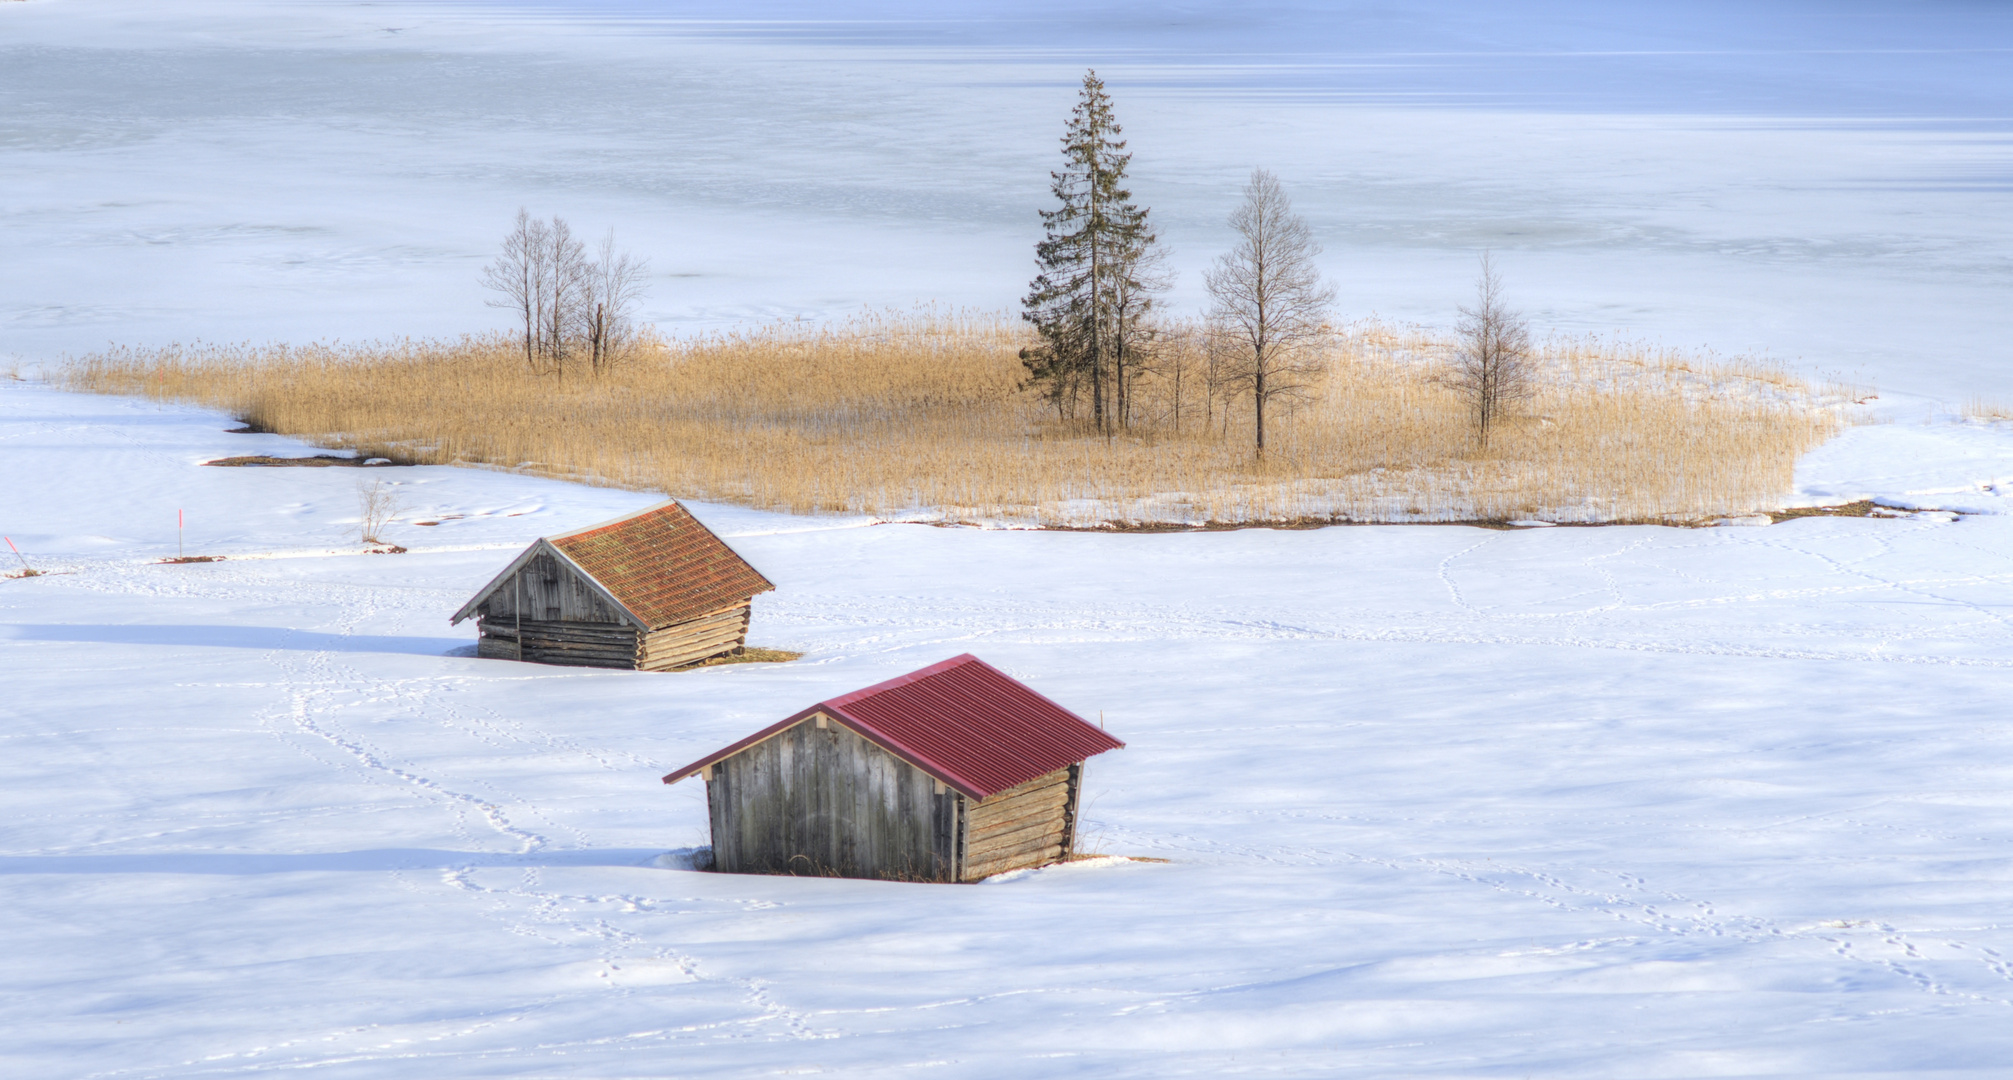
<point>553,592</point>
<point>824,801</point>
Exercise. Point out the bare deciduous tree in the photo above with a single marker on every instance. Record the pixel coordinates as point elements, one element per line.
<point>1270,299</point>
<point>1143,273</point>
<point>614,284</point>
<point>518,274</point>
<point>1492,363</point>
<point>1219,370</point>
<point>566,275</point>
<point>1176,363</point>
<point>378,504</point>
<point>565,301</point>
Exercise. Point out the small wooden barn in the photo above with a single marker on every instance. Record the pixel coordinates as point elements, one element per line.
<point>651,591</point>
<point>952,773</point>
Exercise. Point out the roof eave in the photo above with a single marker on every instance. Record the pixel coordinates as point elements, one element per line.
<point>865,731</point>
<point>767,585</point>
<point>496,582</point>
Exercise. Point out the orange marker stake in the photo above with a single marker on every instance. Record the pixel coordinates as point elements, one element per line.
<point>18,555</point>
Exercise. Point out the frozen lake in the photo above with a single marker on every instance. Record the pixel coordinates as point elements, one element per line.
<point>1825,184</point>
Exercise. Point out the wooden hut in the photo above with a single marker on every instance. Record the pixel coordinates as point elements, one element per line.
<point>651,591</point>
<point>951,773</point>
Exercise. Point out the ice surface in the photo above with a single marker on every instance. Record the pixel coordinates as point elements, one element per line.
<point>1824,183</point>
<point>1438,801</point>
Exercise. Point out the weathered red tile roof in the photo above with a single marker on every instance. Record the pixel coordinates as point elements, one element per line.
<point>962,721</point>
<point>662,565</point>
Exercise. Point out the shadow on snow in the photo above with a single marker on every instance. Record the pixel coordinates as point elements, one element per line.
<point>375,859</point>
<point>231,637</point>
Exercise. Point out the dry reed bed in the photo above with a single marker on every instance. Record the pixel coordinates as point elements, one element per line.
<point>894,415</point>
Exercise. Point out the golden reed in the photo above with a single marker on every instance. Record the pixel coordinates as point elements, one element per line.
<point>894,414</point>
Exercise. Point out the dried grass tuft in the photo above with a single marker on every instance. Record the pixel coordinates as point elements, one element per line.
<point>750,655</point>
<point>923,413</point>
<point>1984,410</point>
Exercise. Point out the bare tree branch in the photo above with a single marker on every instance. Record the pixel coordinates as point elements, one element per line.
<point>563,300</point>
<point>377,504</point>
<point>518,277</point>
<point>1492,363</point>
<point>566,276</point>
<point>1270,299</point>
<point>614,284</point>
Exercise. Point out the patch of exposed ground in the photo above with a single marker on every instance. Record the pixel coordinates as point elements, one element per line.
<point>319,461</point>
<point>749,655</point>
<point>1862,509</point>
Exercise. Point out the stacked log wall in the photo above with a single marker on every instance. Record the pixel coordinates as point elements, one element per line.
<point>708,636</point>
<point>579,644</point>
<point>1029,825</point>
<point>496,639</point>
<point>611,645</point>
<point>614,644</point>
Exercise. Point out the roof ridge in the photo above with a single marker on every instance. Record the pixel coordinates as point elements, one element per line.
<point>663,564</point>
<point>917,675</point>
<point>612,522</point>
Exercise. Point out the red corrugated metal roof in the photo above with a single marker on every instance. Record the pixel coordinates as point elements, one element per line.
<point>663,565</point>
<point>962,721</point>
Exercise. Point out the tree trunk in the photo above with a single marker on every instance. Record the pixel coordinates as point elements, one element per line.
<point>1258,405</point>
<point>1096,306</point>
<point>600,337</point>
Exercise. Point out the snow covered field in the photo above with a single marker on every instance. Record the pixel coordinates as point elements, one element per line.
<point>1440,801</point>
<point>1436,801</point>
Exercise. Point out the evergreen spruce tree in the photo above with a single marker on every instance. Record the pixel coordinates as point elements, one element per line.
<point>1097,270</point>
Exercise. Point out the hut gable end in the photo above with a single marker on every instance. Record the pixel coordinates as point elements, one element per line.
<point>543,584</point>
